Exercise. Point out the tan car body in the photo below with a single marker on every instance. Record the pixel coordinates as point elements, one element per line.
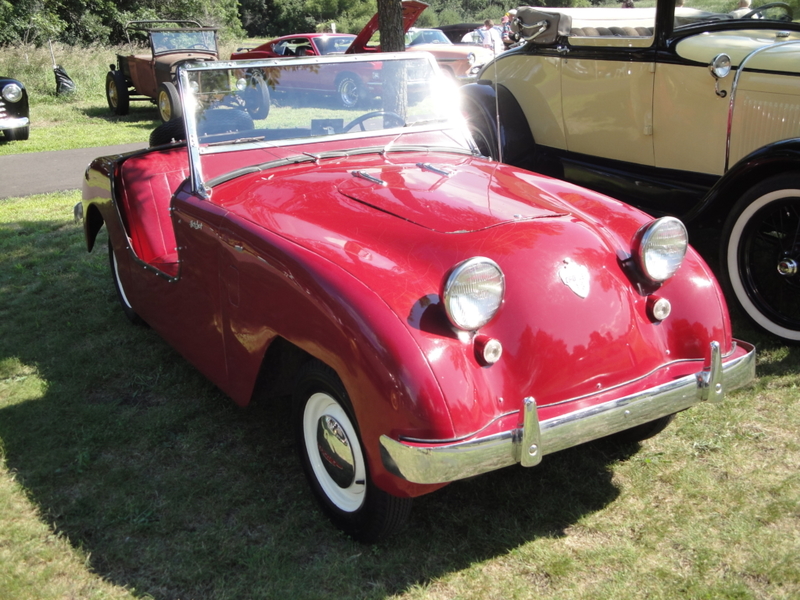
<point>637,111</point>
<point>677,110</point>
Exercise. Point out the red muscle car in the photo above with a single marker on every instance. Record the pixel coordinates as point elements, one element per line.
<point>437,314</point>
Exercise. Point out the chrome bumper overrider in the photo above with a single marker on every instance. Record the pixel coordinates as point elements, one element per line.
<point>439,463</point>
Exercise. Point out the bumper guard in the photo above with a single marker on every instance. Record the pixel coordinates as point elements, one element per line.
<point>439,463</point>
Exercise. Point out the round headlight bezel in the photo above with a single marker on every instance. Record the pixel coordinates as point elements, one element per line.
<point>471,58</point>
<point>465,309</point>
<point>720,66</point>
<point>12,92</point>
<point>657,256</point>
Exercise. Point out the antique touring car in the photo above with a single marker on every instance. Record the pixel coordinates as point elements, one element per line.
<point>690,110</point>
<point>152,76</point>
<point>437,315</point>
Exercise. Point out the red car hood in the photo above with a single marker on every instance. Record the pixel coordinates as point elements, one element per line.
<point>450,197</point>
<point>412,9</point>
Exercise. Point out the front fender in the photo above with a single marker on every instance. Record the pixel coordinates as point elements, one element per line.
<point>769,160</point>
<point>483,102</point>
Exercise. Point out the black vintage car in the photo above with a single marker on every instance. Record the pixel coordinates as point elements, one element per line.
<point>14,115</point>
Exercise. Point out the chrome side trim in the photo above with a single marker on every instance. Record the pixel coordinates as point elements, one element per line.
<point>439,463</point>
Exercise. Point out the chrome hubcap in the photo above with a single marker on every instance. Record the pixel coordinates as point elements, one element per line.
<point>335,451</point>
<point>787,267</point>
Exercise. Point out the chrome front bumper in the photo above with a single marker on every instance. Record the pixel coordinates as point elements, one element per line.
<point>439,463</point>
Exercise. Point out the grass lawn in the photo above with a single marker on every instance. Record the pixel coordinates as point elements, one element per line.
<point>125,474</point>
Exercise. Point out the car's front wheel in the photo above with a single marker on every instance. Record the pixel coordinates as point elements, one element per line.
<point>117,93</point>
<point>760,255</point>
<point>333,459</point>
<point>349,91</point>
<point>169,102</point>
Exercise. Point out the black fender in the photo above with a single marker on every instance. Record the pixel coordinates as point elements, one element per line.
<point>481,102</point>
<point>769,160</point>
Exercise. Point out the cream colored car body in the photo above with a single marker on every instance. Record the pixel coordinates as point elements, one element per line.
<point>640,111</point>
<point>677,110</point>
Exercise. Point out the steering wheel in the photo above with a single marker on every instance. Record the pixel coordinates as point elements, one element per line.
<point>762,8</point>
<point>398,120</point>
<point>200,47</point>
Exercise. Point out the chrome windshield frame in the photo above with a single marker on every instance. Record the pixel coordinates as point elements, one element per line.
<point>195,150</point>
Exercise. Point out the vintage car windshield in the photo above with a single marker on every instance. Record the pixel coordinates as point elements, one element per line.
<point>426,36</point>
<point>694,12</point>
<point>170,41</point>
<point>267,103</point>
<point>614,26</point>
<point>334,44</point>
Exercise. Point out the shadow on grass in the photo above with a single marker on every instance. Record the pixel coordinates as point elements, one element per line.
<point>144,115</point>
<point>174,491</point>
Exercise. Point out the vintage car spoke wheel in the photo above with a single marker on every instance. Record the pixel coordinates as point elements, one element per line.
<point>333,459</point>
<point>117,93</point>
<point>394,120</point>
<point>133,317</point>
<point>349,90</point>
<point>760,255</point>
<point>169,102</point>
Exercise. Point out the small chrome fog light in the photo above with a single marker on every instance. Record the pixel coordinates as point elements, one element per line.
<point>487,350</point>
<point>241,84</point>
<point>658,308</point>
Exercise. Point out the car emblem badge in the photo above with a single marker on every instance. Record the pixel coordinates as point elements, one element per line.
<point>575,277</point>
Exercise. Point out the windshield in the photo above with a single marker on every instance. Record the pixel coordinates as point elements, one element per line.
<point>693,12</point>
<point>263,104</point>
<point>170,41</point>
<point>426,36</point>
<point>334,44</point>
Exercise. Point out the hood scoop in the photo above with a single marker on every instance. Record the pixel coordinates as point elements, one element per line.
<point>449,198</point>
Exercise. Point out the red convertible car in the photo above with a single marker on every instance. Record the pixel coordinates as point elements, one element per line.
<point>436,314</point>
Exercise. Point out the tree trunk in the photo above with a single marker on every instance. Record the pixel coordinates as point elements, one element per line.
<point>390,25</point>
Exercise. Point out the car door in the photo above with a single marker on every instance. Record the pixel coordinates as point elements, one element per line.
<point>607,96</point>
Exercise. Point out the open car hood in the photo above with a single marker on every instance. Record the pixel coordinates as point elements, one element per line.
<point>412,9</point>
<point>469,199</point>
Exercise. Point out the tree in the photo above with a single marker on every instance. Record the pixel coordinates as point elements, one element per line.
<point>390,25</point>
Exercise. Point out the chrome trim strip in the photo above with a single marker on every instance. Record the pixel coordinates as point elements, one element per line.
<point>734,87</point>
<point>440,463</point>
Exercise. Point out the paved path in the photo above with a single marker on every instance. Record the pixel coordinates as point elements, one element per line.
<point>44,172</point>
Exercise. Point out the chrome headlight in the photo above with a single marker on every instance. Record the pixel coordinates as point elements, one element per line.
<point>720,66</point>
<point>659,248</point>
<point>471,58</point>
<point>473,293</point>
<point>12,92</point>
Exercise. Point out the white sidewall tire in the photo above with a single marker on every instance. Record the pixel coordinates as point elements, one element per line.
<point>349,499</point>
<point>732,266</point>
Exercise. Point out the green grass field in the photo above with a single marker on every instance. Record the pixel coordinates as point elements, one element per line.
<point>125,474</point>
